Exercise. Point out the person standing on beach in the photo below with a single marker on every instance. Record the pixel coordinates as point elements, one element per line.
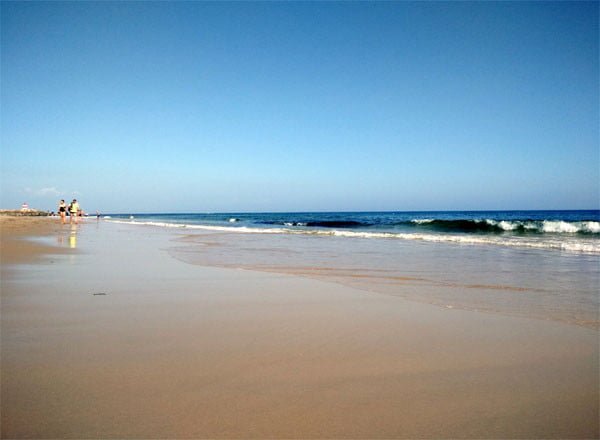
<point>74,210</point>
<point>62,210</point>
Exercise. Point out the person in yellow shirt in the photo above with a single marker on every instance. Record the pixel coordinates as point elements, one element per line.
<point>74,210</point>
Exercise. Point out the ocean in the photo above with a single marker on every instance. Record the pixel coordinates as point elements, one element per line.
<point>573,231</point>
<point>531,264</point>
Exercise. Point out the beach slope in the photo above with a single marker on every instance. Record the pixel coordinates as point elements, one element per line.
<point>116,339</point>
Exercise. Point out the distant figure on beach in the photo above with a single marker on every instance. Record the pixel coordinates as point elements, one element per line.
<point>97,215</point>
<point>62,210</point>
<point>74,210</point>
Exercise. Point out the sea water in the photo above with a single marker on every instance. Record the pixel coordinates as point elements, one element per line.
<point>535,264</point>
<point>577,231</point>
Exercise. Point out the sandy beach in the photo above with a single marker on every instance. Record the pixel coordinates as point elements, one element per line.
<point>105,335</point>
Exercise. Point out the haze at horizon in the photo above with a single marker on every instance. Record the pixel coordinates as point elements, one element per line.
<point>231,107</point>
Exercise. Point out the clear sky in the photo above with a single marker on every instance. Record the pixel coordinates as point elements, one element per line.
<point>279,106</point>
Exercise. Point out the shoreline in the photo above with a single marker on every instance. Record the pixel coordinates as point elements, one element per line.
<point>445,275</point>
<point>174,350</point>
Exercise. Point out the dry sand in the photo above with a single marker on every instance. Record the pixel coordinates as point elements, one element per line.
<point>179,351</point>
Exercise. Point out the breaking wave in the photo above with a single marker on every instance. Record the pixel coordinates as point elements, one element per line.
<point>458,225</point>
<point>499,226</point>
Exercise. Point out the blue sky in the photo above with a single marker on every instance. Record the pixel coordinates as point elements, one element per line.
<point>198,106</point>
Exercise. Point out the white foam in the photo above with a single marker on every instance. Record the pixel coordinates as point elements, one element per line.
<point>508,226</point>
<point>558,226</point>
<point>243,229</point>
<point>593,227</point>
<point>549,226</point>
<point>421,221</point>
<point>583,246</point>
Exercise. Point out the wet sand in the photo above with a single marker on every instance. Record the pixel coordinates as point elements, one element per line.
<point>117,339</point>
<point>529,283</point>
<point>14,231</point>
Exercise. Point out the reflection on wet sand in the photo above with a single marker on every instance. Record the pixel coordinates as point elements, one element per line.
<point>73,236</point>
<point>67,237</point>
